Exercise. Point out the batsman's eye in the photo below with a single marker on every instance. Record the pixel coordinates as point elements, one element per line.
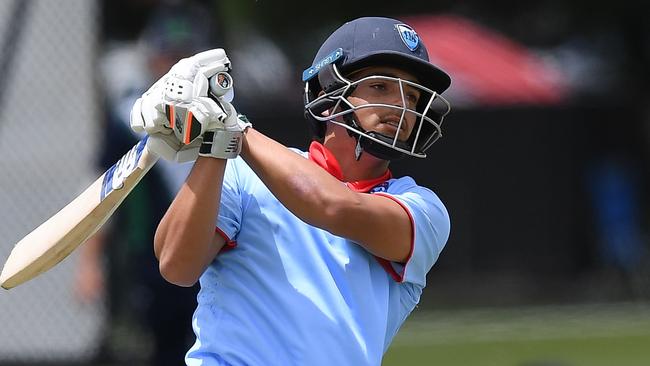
<point>412,98</point>
<point>378,86</point>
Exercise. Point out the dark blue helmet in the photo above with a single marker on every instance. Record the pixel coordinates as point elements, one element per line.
<point>375,41</point>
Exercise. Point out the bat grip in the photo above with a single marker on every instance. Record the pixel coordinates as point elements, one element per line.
<point>220,84</point>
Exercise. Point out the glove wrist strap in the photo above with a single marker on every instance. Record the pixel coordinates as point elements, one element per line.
<point>221,144</point>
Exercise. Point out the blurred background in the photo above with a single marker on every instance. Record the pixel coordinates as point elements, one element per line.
<point>543,167</point>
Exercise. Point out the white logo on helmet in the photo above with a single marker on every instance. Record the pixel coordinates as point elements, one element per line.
<point>408,36</point>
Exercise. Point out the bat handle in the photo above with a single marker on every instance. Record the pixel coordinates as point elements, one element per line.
<point>220,84</point>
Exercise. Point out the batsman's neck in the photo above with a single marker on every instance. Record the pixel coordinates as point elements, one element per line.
<point>342,145</point>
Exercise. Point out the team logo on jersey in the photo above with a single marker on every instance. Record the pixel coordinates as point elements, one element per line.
<point>115,176</point>
<point>408,36</point>
<point>382,187</point>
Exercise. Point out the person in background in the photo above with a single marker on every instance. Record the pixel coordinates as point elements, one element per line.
<point>118,263</point>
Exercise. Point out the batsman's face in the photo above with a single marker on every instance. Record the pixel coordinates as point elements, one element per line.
<point>385,86</point>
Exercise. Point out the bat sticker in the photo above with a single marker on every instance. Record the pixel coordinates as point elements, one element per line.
<point>114,177</point>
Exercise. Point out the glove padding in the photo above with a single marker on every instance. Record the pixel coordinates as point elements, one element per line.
<point>188,78</point>
<point>147,116</point>
<point>223,140</point>
<point>176,110</point>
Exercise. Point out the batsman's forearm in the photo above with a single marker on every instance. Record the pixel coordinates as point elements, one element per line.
<point>184,242</point>
<point>304,188</point>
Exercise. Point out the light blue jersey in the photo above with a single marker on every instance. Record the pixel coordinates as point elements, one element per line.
<point>292,294</point>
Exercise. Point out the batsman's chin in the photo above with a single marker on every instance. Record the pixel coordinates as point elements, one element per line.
<point>390,130</point>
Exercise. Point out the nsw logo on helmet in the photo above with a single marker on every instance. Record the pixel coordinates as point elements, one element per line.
<point>408,36</point>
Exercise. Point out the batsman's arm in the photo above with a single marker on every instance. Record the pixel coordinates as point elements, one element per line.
<point>188,113</point>
<point>185,241</point>
<point>323,201</point>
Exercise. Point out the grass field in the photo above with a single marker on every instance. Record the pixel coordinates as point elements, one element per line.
<point>586,335</point>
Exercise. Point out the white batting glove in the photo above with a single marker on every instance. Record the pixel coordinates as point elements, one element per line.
<point>148,112</point>
<point>148,116</point>
<point>200,87</point>
<point>176,110</point>
<point>222,128</point>
<point>189,78</point>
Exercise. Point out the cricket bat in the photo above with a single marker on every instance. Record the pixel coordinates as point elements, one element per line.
<point>62,233</point>
<point>57,237</point>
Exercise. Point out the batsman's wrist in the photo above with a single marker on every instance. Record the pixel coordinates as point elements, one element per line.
<point>221,144</point>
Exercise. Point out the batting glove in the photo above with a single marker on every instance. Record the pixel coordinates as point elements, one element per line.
<point>148,116</point>
<point>176,111</point>
<point>222,128</point>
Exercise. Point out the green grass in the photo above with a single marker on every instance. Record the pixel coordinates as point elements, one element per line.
<point>590,335</point>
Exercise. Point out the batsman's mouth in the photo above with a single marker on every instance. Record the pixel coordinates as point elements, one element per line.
<point>394,125</point>
<point>391,126</point>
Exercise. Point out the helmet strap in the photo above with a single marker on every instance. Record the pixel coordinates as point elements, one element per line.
<point>358,150</point>
<point>350,121</point>
<point>371,147</point>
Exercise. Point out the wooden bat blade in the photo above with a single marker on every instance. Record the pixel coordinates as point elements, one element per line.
<point>56,238</point>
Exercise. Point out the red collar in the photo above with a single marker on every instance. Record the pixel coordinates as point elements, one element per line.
<point>320,155</point>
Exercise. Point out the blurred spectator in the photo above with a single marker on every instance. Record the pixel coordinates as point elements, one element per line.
<point>614,186</point>
<point>253,55</point>
<point>139,299</point>
<point>614,183</point>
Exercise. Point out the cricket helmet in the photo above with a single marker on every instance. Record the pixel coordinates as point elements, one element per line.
<point>375,41</point>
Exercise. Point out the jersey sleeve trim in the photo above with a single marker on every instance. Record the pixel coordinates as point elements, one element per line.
<point>230,244</point>
<point>388,265</point>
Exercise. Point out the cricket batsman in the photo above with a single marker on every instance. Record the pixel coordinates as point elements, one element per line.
<point>304,257</point>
